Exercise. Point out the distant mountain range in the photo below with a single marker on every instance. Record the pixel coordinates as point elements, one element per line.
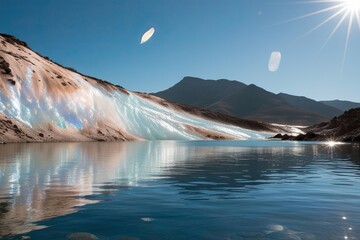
<point>253,102</point>
<point>342,105</point>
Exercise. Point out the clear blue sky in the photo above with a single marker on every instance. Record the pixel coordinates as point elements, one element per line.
<point>211,39</point>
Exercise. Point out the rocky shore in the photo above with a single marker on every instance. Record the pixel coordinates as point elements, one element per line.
<point>344,128</point>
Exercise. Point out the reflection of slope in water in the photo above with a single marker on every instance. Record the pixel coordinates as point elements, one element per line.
<point>42,181</point>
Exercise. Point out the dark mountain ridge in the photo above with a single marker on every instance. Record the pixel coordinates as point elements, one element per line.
<point>248,101</point>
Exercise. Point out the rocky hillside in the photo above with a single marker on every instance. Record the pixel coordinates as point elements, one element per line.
<point>345,128</point>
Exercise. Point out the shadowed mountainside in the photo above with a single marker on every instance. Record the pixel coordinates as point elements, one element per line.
<point>311,105</point>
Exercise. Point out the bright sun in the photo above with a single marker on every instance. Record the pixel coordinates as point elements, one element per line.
<point>352,5</point>
<point>343,12</point>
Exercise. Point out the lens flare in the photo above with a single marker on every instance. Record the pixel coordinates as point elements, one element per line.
<point>331,143</point>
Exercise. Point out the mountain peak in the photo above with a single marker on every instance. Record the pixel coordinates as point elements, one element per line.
<point>191,78</point>
<point>254,88</point>
<point>199,92</point>
<point>188,78</point>
<point>250,86</point>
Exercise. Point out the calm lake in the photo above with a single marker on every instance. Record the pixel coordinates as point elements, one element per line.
<point>180,190</point>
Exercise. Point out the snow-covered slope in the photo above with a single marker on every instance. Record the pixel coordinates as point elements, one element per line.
<point>42,101</point>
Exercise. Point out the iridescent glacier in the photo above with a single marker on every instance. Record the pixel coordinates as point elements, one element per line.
<point>91,104</point>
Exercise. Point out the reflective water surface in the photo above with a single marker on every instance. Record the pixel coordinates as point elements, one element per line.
<point>180,190</point>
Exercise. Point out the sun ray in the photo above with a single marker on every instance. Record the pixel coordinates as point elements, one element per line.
<point>347,11</point>
<point>336,28</point>
<point>348,35</point>
<point>314,13</point>
<point>358,18</point>
<point>324,22</point>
